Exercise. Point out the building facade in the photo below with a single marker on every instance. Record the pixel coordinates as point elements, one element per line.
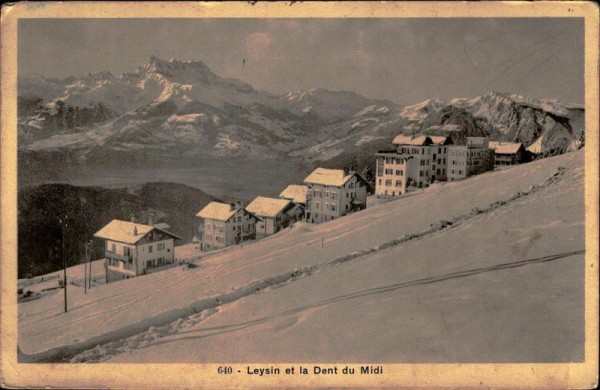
<point>430,154</point>
<point>297,194</point>
<point>225,224</point>
<point>470,159</point>
<point>333,193</point>
<point>133,248</point>
<point>274,214</point>
<point>392,172</point>
<point>508,153</point>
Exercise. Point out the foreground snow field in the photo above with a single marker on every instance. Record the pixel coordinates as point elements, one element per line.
<point>503,282</point>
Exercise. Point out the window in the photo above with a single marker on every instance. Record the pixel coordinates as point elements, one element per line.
<point>379,181</point>
<point>327,194</point>
<point>389,171</point>
<point>434,157</point>
<point>114,248</point>
<point>208,237</point>
<point>347,195</point>
<point>233,228</point>
<point>240,218</point>
<point>149,248</point>
<point>160,247</point>
<point>398,183</point>
<point>332,207</point>
<point>399,172</point>
<point>439,160</point>
<point>439,151</point>
<point>388,183</point>
<point>333,195</point>
<point>149,264</point>
<point>421,173</point>
<point>316,205</point>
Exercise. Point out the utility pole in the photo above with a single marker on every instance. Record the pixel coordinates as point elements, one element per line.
<point>90,258</point>
<point>62,229</point>
<point>85,261</point>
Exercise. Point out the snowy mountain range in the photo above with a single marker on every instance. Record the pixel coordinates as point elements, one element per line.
<point>175,108</point>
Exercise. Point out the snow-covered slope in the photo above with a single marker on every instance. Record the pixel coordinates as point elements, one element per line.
<point>455,273</point>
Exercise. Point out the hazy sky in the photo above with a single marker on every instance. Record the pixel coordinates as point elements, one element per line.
<point>404,60</point>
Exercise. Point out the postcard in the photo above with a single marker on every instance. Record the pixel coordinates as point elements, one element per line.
<point>299,194</point>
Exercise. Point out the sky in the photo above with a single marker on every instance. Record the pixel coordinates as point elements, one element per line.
<point>403,60</point>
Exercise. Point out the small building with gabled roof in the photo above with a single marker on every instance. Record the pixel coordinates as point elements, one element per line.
<point>508,153</point>
<point>225,224</point>
<point>131,248</point>
<point>333,193</point>
<point>296,193</point>
<point>273,214</point>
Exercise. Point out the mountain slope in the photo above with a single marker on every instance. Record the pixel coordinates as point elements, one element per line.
<point>176,108</point>
<point>382,245</point>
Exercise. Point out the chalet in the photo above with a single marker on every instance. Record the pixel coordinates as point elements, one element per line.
<point>470,159</point>
<point>508,153</point>
<point>333,193</point>
<point>273,214</point>
<point>297,194</point>
<point>132,248</point>
<point>225,224</point>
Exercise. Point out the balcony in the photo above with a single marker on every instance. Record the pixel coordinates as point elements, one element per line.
<point>117,256</point>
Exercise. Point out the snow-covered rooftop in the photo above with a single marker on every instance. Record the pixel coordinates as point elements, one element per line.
<point>267,207</point>
<point>328,177</point>
<point>162,226</point>
<point>126,232</point>
<point>217,210</point>
<point>295,192</point>
<point>507,147</point>
<point>438,139</point>
<point>410,140</point>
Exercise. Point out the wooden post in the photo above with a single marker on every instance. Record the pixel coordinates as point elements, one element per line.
<point>85,266</point>
<point>90,258</point>
<point>62,229</point>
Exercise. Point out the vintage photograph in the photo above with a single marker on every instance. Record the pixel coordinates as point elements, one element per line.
<point>262,193</point>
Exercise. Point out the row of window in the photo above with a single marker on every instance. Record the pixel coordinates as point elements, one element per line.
<point>394,160</point>
<point>421,150</point>
<point>208,237</point>
<point>398,172</point>
<point>127,250</point>
<point>156,262</point>
<point>388,183</point>
<point>327,194</point>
